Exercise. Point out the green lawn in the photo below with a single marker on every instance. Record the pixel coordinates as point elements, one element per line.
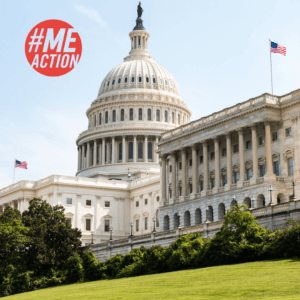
<point>260,280</point>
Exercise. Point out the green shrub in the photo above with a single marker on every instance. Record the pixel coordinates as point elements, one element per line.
<point>75,271</point>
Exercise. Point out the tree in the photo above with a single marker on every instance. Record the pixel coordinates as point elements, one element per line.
<point>52,239</point>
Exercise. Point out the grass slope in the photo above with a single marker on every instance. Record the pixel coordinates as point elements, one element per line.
<point>277,279</point>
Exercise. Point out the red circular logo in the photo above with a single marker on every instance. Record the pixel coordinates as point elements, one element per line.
<point>53,48</point>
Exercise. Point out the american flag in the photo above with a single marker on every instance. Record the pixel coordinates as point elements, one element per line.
<point>276,48</point>
<point>21,164</point>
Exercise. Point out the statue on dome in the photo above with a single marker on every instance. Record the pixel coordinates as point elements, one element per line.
<point>140,10</point>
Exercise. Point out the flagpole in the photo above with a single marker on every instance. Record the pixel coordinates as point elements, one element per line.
<point>14,168</point>
<point>271,67</point>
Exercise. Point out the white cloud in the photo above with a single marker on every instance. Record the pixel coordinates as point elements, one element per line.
<point>91,13</point>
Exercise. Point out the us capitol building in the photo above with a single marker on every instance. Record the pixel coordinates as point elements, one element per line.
<point>143,165</point>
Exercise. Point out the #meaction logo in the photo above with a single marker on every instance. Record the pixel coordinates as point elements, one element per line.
<point>53,48</point>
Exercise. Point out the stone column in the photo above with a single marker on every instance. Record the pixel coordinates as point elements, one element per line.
<point>163,178</point>
<point>155,148</point>
<point>296,148</point>
<point>103,151</point>
<point>108,153</point>
<point>242,158</point>
<point>123,149</point>
<point>82,159</point>
<point>183,172</point>
<point>95,152</point>
<point>134,149</point>
<point>173,155</point>
<point>205,168</point>
<point>146,149</point>
<point>217,164</point>
<point>79,158</point>
<point>88,155</point>
<point>254,155</point>
<point>99,153</point>
<point>229,160</point>
<point>194,170</point>
<point>269,169</point>
<point>113,154</point>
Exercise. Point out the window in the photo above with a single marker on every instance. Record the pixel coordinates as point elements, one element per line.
<point>108,83</point>
<point>140,79</point>
<point>166,116</point>
<point>106,117</point>
<point>249,174</point>
<point>180,165</point>
<point>248,145</point>
<point>160,81</point>
<point>290,166</point>
<point>140,150</point>
<point>170,168</point>
<point>190,162</point>
<point>262,170</point>
<point>236,177</point>
<point>100,119</point>
<point>150,150</point>
<point>213,183</point>
<point>235,148</point>
<point>261,140</point>
<point>146,223</point>
<point>166,82</point>
<point>157,115</point>
<point>212,155</point>
<point>288,131</point>
<point>276,168</point>
<point>157,198</point>
<point>88,224</point>
<point>173,118</point>
<point>137,225</point>
<point>130,150</point>
<point>147,79</point>
<point>122,115</point>
<point>180,191</point>
<point>119,80</point>
<point>95,121</point>
<point>104,85</point>
<point>114,116</point>
<point>149,114</point>
<point>131,114</point>
<point>125,79</point>
<point>69,201</point>
<point>224,152</point>
<point>107,204</point>
<point>137,204</point>
<point>201,159</point>
<point>113,82</point>
<point>178,119</point>
<point>274,136</point>
<point>146,201</point>
<point>201,185</point>
<point>224,179</point>
<point>106,225</point>
<point>132,79</point>
<point>120,151</point>
<point>69,220</point>
<point>191,188</point>
<point>88,202</point>
<point>154,81</point>
<point>170,192</point>
<point>140,114</point>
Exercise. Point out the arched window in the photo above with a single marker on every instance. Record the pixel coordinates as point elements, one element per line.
<point>120,151</point>
<point>125,79</point>
<point>178,119</point>
<point>140,150</point>
<point>113,82</point>
<point>173,118</point>
<point>131,114</point>
<point>154,81</point>
<point>149,114</point>
<point>114,116</point>
<point>140,114</point>
<point>150,150</point>
<point>157,115</point>
<point>119,80</point>
<point>166,116</point>
<point>130,150</point>
<point>132,79</point>
<point>122,115</point>
<point>106,117</point>
<point>140,79</point>
<point>147,79</point>
<point>100,119</point>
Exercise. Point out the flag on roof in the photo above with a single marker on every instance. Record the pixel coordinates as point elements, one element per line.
<point>276,48</point>
<point>21,164</point>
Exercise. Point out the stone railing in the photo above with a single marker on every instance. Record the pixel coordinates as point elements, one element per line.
<point>259,180</point>
<point>246,183</point>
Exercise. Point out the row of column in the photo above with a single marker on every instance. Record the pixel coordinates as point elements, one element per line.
<point>269,168</point>
<point>84,151</point>
<point>143,42</point>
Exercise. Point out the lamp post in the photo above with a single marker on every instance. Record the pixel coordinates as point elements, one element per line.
<point>270,189</point>
<point>131,226</point>
<point>154,220</point>
<point>92,233</point>
<point>129,175</point>
<point>111,230</point>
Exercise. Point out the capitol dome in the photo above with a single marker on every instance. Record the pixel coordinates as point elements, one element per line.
<point>138,100</point>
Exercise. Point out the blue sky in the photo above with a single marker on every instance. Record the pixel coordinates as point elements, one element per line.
<point>217,51</point>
